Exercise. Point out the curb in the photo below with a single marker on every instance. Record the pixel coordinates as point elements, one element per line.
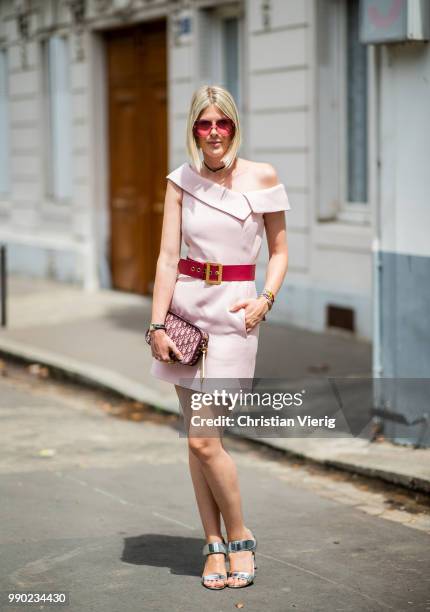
<point>88,374</point>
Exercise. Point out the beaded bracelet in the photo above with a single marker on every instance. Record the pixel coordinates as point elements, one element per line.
<point>268,295</point>
<point>269,302</point>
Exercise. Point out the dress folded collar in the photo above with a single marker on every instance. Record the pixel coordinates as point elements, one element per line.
<point>236,203</point>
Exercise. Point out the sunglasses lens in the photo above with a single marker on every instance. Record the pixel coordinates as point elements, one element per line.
<point>225,126</point>
<point>203,127</point>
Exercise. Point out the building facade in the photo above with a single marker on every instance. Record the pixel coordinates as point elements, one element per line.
<point>93,102</point>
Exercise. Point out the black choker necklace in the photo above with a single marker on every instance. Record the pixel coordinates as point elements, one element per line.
<point>213,169</point>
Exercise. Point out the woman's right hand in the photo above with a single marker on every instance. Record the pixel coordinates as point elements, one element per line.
<point>161,345</point>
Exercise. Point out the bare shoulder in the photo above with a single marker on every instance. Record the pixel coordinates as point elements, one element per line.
<point>173,188</point>
<point>264,173</point>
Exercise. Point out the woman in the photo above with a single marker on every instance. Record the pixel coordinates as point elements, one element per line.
<point>220,208</point>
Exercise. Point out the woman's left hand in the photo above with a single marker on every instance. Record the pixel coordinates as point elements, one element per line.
<point>255,309</point>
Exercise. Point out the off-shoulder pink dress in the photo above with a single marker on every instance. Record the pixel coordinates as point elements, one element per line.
<point>219,225</point>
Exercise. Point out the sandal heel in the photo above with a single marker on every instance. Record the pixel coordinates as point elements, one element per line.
<point>213,548</point>
<point>236,546</point>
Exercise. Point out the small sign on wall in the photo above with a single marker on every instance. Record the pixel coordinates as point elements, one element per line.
<point>385,21</point>
<point>182,25</point>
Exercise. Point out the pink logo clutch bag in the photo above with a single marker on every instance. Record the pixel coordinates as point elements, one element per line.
<point>190,339</point>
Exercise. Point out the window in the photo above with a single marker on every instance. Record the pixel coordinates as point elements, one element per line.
<point>230,50</point>
<point>343,113</point>
<point>58,118</point>
<point>356,108</point>
<point>220,42</point>
<point>4,125</point>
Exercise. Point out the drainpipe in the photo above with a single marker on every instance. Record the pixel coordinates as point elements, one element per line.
<point>377,268</point>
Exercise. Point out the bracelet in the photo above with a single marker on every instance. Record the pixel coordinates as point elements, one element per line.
<point>269,294</point>
<point>268,301</point>
<point>154,326</point>
<point>267,298</point>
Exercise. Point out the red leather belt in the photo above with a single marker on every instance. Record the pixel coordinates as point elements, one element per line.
<point>214,273</point>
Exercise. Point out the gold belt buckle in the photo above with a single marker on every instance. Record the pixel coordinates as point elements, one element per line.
<point>208,265</point>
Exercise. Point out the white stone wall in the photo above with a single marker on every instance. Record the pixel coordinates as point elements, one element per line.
<point>279,116</point>
<point>45,237</point>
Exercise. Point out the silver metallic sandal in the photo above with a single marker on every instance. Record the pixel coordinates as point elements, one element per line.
<point>236,546</point>
<point>210,549</point>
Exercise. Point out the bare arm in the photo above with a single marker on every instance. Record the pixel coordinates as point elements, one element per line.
<point>166,271</point>
<point>169,255</point>
<point>276,233</point>
<point>278,250</point>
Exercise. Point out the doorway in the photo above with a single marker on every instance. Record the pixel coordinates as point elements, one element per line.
<point>137,124</point>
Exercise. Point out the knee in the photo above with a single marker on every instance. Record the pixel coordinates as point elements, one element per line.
<point>204,449</point>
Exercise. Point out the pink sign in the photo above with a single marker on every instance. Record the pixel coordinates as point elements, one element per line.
<point>383,21</point>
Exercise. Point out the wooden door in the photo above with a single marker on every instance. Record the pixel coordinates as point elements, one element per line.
<point>137,91</point>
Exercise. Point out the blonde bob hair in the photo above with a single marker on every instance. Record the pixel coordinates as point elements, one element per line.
<point>202,98</point>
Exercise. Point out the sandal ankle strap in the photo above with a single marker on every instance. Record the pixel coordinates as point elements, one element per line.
<point>214,547</point>
<point>238,545</point>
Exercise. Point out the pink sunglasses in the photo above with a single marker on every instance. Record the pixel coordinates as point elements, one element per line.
<point>203,127</point>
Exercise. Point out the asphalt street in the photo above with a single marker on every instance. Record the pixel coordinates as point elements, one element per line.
<point>97,501</point>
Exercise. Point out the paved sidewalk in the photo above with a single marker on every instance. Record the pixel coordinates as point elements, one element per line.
<point>99,337</point>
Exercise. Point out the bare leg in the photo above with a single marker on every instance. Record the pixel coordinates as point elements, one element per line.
<point>208,508</point>
<point>216,488</point>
